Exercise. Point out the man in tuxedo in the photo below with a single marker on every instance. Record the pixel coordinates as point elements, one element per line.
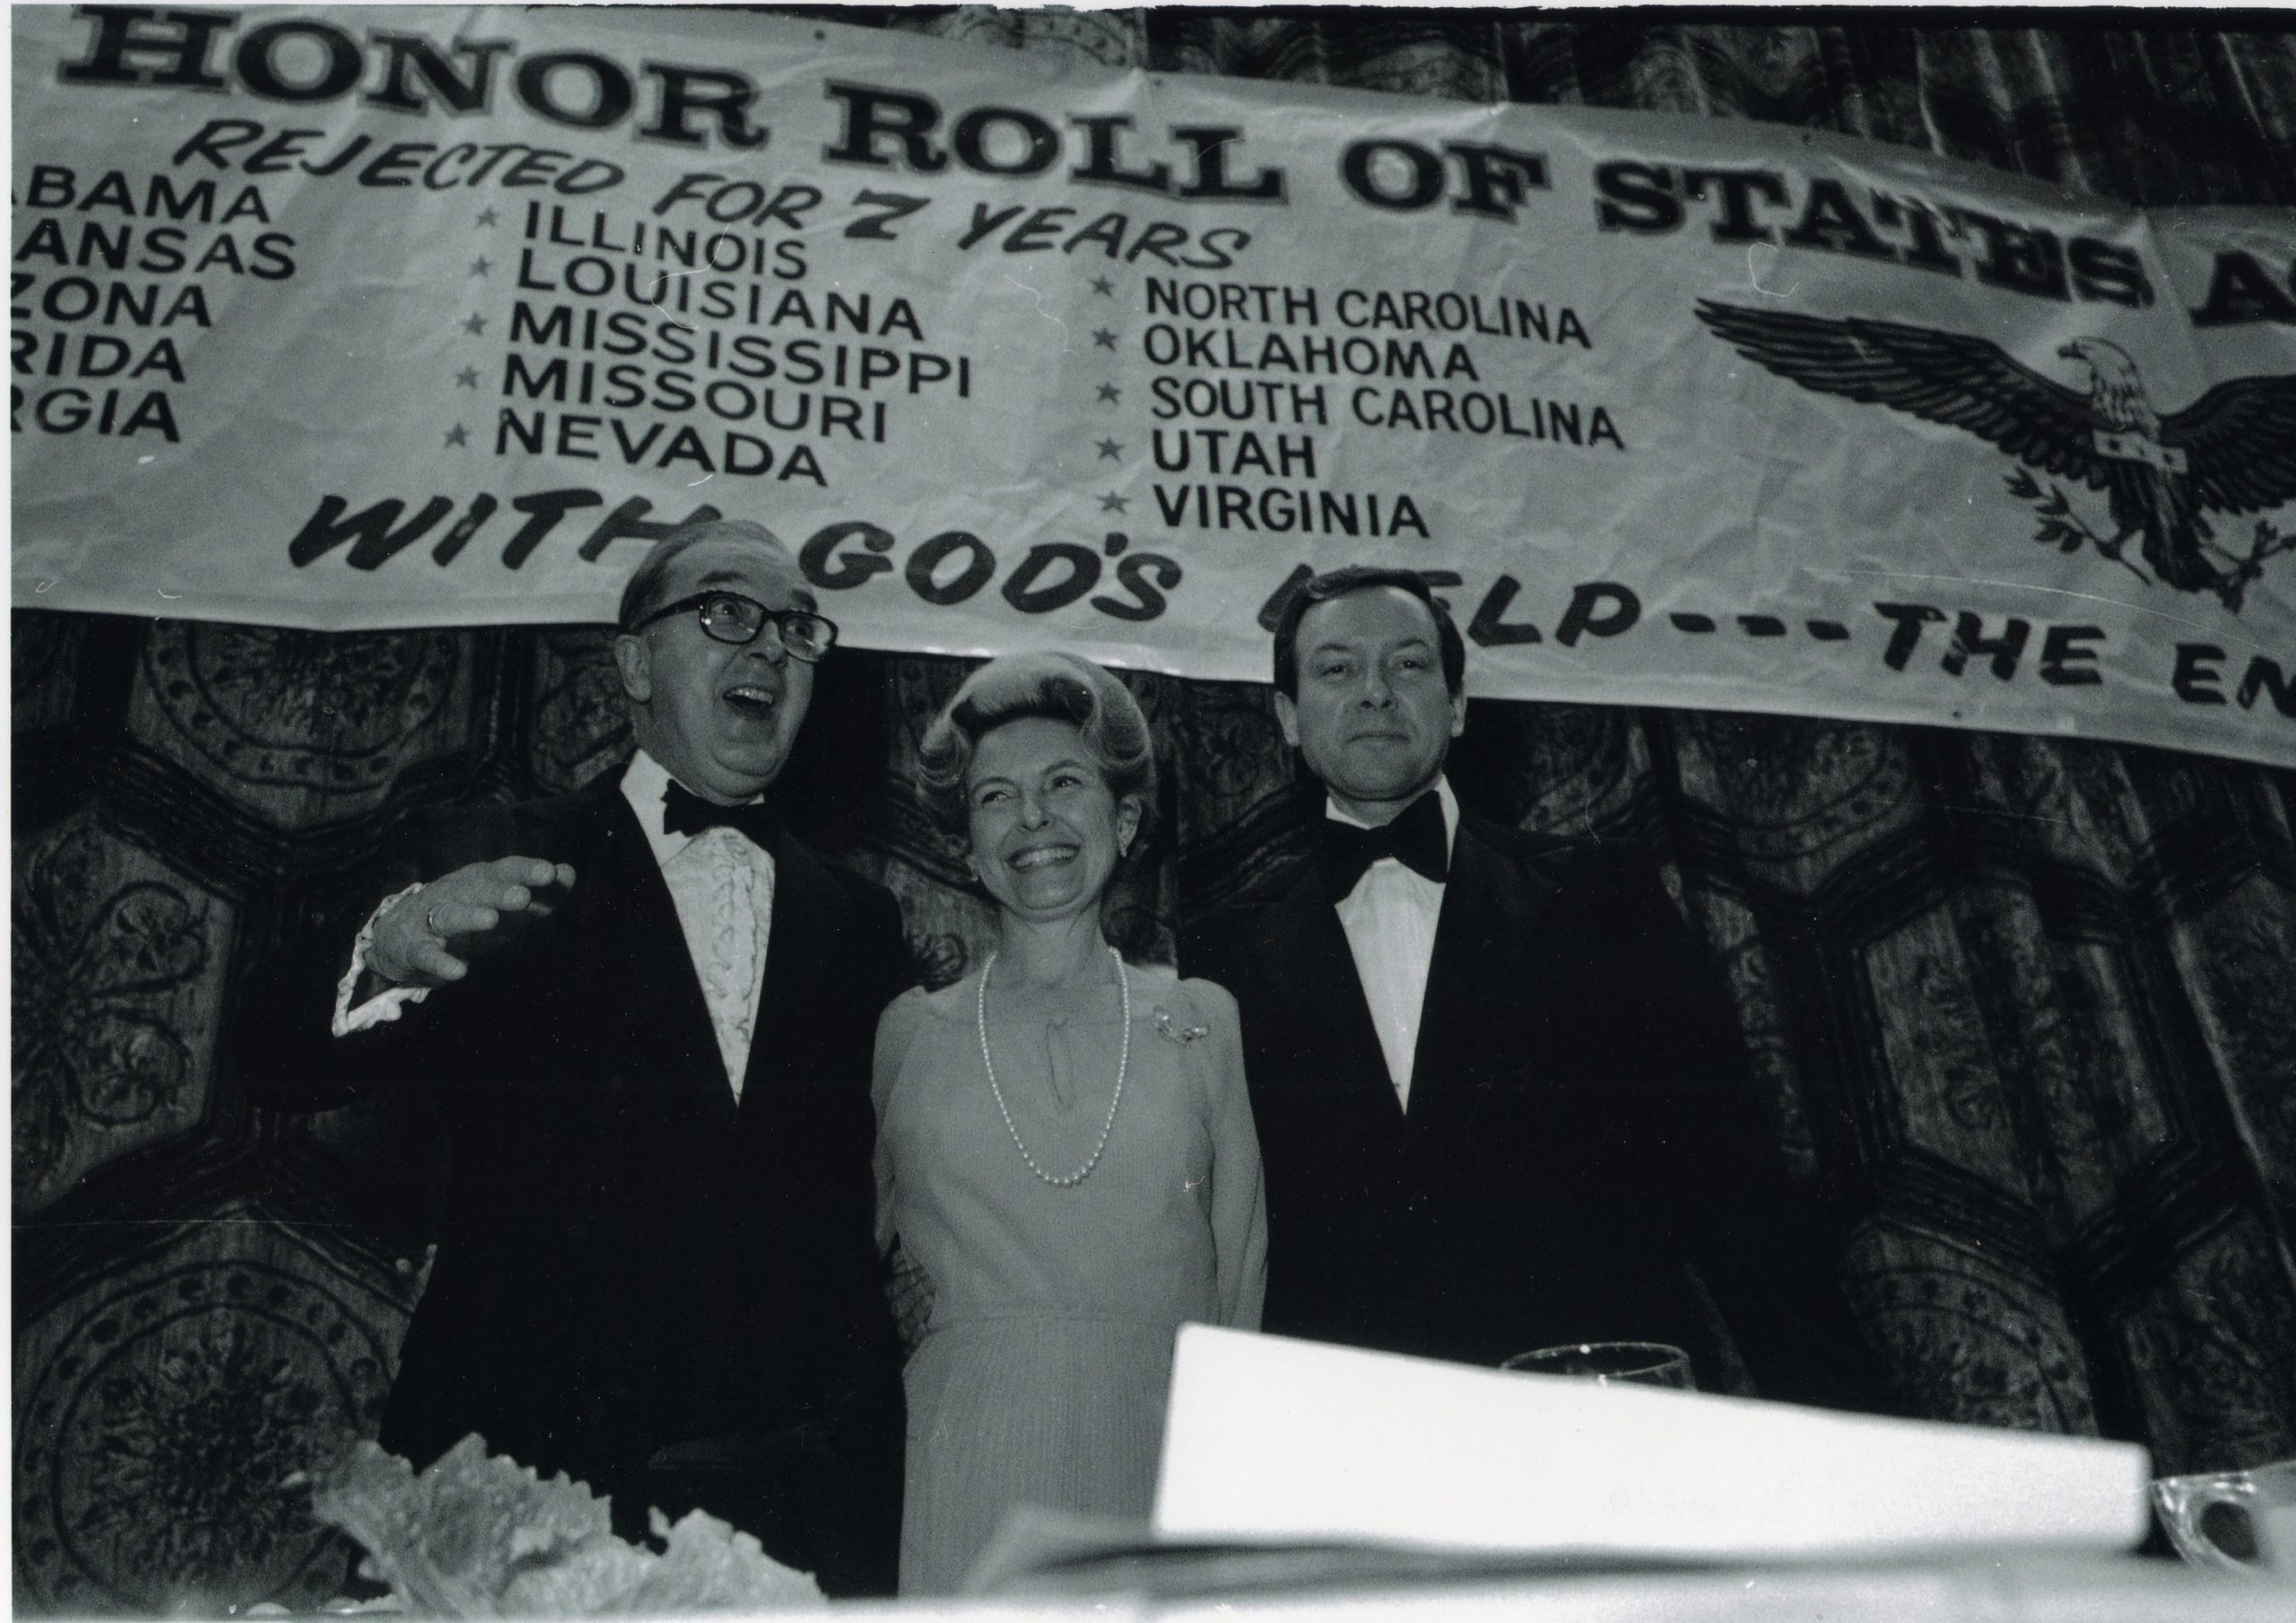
<point>646,1013</point>
<point>1502,1097</point>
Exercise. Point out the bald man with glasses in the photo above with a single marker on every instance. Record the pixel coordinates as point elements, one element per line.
<point>644,1011</point>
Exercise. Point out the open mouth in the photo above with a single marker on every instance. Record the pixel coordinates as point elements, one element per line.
<point>1043,856</point>
<point>754,702</point>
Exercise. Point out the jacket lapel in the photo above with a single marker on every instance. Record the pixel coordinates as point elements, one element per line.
<point>1490,907</point>
<point>806,900</point>
<point>634,926</point>
<point>1303,952</point>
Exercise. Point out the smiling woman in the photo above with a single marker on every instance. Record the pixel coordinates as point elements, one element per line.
<point>1064,1147</point>
<point>1046,824</point>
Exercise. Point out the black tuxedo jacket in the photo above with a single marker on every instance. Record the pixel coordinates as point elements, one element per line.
<point>1581,1127</point>
<point>627,1260</point>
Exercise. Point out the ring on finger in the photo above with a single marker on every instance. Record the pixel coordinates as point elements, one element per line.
<point>430,921</point>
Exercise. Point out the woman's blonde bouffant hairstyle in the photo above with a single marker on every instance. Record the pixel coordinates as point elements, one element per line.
<point>1016,687</point>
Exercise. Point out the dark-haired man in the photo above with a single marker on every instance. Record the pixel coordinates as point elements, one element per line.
<point>1501,1098</point>
<point>646,1013</point>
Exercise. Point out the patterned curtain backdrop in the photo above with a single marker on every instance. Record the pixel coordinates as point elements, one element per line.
<point>2024,1003</point>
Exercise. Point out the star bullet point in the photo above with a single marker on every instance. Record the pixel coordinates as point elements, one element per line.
<point>1113,503</point>
<point>1104,287</point>
<point>1110,450</point>
<point>1110,393</point>
<point>480,266</point>
<point>458,435</point>
<point>475,325</point>
<point>1104,338</point>
<point>467,378</point>
<point>486,217</point>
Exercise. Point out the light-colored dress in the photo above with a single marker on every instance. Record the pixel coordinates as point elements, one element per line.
<point>1042,1373</point>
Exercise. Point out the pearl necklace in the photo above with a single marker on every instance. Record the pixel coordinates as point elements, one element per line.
<point>1123,1063</point>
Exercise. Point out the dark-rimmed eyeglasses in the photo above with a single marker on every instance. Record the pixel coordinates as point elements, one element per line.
<point>729,617</point>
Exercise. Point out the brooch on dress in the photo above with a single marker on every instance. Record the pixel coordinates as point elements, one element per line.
<point>1172,1031</point>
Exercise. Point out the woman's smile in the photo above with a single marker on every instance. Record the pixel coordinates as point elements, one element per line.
<point>1045,828</point>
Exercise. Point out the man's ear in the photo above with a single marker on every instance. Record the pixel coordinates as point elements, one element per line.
<point>1287,717</point>
<point>1458,713</point>
<point>635,666</point>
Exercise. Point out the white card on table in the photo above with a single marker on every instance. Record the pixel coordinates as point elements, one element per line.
<point>1271,1438</point>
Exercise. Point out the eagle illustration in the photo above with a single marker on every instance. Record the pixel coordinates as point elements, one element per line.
<point>2231,451</point>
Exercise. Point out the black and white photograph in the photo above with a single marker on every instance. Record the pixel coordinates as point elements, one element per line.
<point>1153,811</point>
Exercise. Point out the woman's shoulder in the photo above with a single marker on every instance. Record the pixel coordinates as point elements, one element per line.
<point>931,1005</point>
<point>1162,980</point>
<point>914,1026</point>
<point>1155,986</point>
<point>1191,1002</point>
<point>1203,1020</point>
<point>1153,980</point>
<point>1210,998</point>
<point>920,1005</point>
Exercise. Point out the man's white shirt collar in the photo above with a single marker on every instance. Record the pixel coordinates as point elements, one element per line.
<point>643,785</point>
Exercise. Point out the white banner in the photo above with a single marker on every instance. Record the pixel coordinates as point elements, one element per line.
<point>348,318</point>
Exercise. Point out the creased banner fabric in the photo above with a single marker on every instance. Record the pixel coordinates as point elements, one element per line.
<point>353,318</point>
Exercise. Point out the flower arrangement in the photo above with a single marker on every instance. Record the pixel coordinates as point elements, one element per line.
<point>481,1536</point>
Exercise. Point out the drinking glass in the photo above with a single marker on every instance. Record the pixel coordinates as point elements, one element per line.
<point>2244,1519</point>
<point>1610,1363</point>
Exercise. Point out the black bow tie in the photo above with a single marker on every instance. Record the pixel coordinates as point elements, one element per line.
<point>1414,838</point>
<point>685,812</point>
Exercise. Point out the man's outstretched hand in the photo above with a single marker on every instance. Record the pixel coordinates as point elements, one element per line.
<point>428,939</point>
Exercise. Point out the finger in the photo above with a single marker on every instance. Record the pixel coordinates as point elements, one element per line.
<point>519,898</point>
<point>434,960</point>
<point>445,919</point>
<point>541,893</point>
<point>528,871</point>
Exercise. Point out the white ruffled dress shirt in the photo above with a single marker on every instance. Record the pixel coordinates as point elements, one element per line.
<point>1390,918</point>
<point>722,886</point>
